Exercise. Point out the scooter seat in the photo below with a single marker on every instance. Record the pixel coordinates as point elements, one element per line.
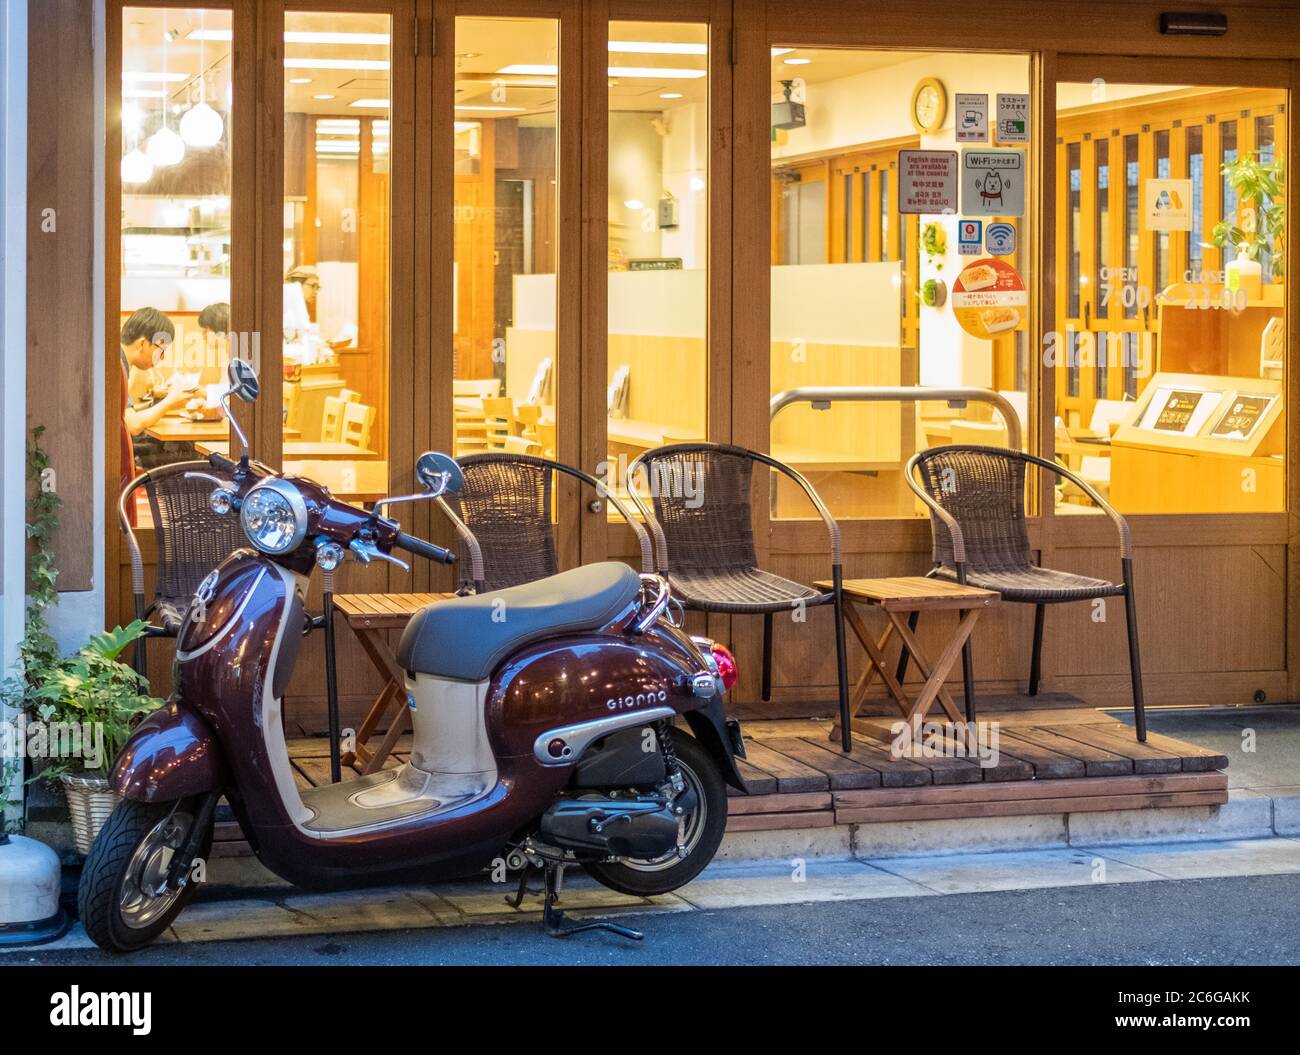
<point>466,637</point>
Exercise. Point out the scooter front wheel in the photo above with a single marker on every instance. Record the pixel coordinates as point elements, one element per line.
<point>123,899</point>
<point>700,835</point>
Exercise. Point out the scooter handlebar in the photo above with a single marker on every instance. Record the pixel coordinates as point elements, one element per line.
<point>420,548</point>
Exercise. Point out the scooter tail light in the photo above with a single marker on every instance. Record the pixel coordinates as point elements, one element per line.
<point>726,662</point>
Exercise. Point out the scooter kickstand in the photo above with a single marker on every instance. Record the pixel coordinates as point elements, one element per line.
<point>556,924</point>
<point>518,898</point>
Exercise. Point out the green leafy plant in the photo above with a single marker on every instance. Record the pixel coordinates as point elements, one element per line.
<point>1258,185</point>
<point>93,690</point>
<point>90,689</point>
<point>38,650</point>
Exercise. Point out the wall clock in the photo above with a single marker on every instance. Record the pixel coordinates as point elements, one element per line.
<point>929,105</point>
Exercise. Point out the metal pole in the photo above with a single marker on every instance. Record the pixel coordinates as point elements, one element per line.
<point>821,399</point>
<point>331,679</point>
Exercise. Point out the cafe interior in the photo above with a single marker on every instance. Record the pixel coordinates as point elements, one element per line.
<point>1167,352</point>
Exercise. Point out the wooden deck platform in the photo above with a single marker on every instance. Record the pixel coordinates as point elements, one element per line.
<point>1048,761</point>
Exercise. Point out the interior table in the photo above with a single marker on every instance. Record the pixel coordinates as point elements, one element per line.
<point>370,616</point>
<point>172,428</point>
<point>900,599</point>
<point>316,450</point>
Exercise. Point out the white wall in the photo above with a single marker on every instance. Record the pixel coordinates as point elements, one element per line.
<point>646,159</point>
<point>13,336</point>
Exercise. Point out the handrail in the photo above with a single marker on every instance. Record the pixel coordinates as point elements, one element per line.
<point>900,394</point>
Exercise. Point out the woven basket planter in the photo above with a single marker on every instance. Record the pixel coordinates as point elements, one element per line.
<point>90,801</point>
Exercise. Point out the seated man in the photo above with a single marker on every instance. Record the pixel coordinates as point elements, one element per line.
<point>146,335</point>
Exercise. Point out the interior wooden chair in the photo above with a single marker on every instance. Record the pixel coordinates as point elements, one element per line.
<point>190,540</point>
<point>289,391</point>
<point>704,539</point>
<point>521,445</point>
<point>546,438</point>
<point>499,421</point>
<point>504,520</point>
<point>358,420</point>
<point>527,415</point>
<point>476,387</point>
<point>976,499</point>
<point>331,420</point>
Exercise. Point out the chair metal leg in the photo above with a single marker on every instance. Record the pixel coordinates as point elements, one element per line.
<point>905,655</point>
<point>1035,664</point>
<point>767,656</point>
<point>1134,659</point>
<point>968,680</point>
<point>842,663</point>
<point>912,620</point>
<point>139,655</point>
<point>967,662</point>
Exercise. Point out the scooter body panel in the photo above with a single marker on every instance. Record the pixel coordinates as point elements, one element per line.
<point>172,755</point>
<point>577,678</point>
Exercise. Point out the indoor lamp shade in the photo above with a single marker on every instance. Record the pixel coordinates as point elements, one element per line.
<point>136,168</point>
<point>165,148</point>
<point>201,126</point>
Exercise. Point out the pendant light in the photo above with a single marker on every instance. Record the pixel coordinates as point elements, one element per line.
<point>136,167</point>
<point>202,126</point>
<point>165,147</point>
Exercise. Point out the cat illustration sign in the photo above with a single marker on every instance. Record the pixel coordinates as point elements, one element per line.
<point>993,183</point>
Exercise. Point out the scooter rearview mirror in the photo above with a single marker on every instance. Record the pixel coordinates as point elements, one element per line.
<point>243,380</point>
<point>439,473</point>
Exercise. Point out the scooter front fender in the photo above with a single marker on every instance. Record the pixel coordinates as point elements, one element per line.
<point>171,755</point>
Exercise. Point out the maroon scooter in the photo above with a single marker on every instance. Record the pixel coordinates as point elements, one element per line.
<point>567,721</point>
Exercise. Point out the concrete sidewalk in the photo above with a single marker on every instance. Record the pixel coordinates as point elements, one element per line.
<point>289,913</point>
<point>1256,833</point>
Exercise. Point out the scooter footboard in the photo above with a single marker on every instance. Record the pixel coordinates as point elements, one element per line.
<point>172,755</point>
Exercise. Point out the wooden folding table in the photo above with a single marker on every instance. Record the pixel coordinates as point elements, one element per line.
<point>371,616</point>
<point>899,598</point>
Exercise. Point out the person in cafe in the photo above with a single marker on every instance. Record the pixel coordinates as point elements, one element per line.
<point>146,335</point>
<point>309,278</point>
<point>214,323</point>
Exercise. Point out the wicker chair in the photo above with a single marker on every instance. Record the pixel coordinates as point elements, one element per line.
<point>706,546</point>
<point>190,540</point>
<point>976,499</point>
<point>502,518</point>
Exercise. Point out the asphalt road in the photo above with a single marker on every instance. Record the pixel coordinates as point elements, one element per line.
<point>1248,920</point>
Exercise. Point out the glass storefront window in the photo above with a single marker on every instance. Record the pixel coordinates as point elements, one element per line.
<point>658,236</point>
<point>175,233</point>
<point>336,249</point>
<point>506,235</point>
<point>891,308</point>
<point>1182,362</point>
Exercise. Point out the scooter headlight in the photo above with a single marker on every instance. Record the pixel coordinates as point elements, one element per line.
<point>274,517</point>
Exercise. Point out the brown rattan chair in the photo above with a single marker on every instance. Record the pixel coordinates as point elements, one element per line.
<point>190,540</point>
<point>503,519</point>
<point>704,536</point>
<point>976,500</point>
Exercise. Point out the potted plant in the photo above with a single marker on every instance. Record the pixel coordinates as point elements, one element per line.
<point>1262,220</point>
<point>88,703</point>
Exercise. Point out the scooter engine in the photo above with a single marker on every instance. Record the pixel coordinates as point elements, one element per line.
<point>643,826</point>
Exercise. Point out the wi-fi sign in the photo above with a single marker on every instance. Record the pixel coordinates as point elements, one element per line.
<point>1000,239</point>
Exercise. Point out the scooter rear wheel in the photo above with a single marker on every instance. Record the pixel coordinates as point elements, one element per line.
<point>122,900</point>
<point>701,831</point>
